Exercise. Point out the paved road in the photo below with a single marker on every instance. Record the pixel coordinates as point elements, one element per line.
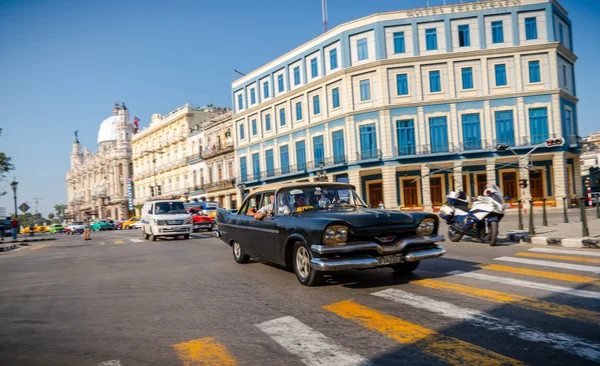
<point>121,300</point>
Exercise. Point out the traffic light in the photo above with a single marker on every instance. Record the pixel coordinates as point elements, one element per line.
<point>502,147</point>
<point>523,183</point>
<point>555,142</point>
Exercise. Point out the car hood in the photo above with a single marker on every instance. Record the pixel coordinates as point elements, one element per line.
<point>362,217</point>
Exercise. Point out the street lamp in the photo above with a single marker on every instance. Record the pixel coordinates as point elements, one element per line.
<point>14,184</point>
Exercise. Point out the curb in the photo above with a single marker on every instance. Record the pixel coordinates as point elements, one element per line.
<point>7,247</point>
<point>524,237</point>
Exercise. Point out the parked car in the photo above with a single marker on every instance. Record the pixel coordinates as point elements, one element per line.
<point>202,222</point>
<point>136,225</point>
<point>76,227</point>
<point>101,225</point>
<point>56,228</point>
<point>127,223</point>
<point>320,227</point>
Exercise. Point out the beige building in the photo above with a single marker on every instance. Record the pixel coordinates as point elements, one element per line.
<point>97,182</point>
<point>160,156</point>
<point>590,152</point>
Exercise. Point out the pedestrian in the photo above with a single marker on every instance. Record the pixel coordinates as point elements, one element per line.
<point>86,232</point>
<point>381,206</point>
<point>14,227</point>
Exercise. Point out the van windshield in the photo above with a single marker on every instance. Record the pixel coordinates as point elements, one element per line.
<point>169,208</point>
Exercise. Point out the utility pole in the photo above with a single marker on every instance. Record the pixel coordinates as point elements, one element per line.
<point>36,199</point>
<point>324,11</point>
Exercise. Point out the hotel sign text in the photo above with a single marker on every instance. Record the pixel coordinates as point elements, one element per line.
<point>458,8</point>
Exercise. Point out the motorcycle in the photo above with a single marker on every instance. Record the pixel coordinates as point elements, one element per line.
<point>481,221</point>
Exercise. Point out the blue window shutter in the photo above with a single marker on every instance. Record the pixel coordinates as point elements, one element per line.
<point>240,102</point>
<point>318,150</point>
<point>243,169</point>
<point>282,117</point>
<point>270,163</point>
<point>561,36</point>
<point>301,155</point>
<point>316,105</point>
<point>505,130</point>
<point>266,89</point>
<point>297,75</point>
<point>402,84</point>
<point>242,132</point>
<point>365,90</point>
<point>534,72</point>
<point>368,142</point>
<point>438,132</point>
<point>405,132</point>
<point>338,147</point>
<point>280,85</point>
<point>399,42</point>
<point>335,97</point>
<point>254,131</point>
<point>252,96</point>
<point>569,130</point>
<point>431,39</point>
<point>362,48</point>
<point>464,38</point>
<point>333,64</point>
<point>467,77</point>
<point>471,131</point>
<point>434,82</point>
<point>538,125</point>
<point>314,68</point>
<point>268,122</point>
<point>497,32</point>
<point>530,28</point>
<point>564,72</point>
<point>500,71</point>
<point>284,159</point>
<point>298,111</point>
<point>256,165</point>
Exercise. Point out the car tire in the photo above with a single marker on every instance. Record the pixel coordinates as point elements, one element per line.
<point>305,274</point>
<point>186,236</point>
<point>404,269</point>
<point>211,229</point>
<point>146,236</point>
<point>238,253</point>
<point>152,237</point>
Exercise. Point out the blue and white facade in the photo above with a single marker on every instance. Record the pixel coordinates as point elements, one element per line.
<point>386,99</point>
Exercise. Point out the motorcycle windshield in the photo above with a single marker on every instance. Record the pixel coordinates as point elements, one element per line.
<point>496,194</point>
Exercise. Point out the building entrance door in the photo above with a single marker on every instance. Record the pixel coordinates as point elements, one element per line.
<point>436,190</point>
<point>509,188</point>
<point>481,183</point>
<point>375,194</point>
<point>537,188</point>
<point>409,194</point>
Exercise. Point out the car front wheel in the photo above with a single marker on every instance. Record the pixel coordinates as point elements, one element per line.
<point>404,269</point>
<point>307,275</point>
<point>238,253</point>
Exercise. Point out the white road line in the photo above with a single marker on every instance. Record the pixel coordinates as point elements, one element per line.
<point>535,262</point>
<point>137,240</point>
<point>110,363</point>
<point>528,284</point>
<point>102,243</point>
<point>311,346</point>
<point>559,341</point>
<point>563,251</point>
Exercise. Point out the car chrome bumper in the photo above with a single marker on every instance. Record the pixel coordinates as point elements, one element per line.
<point>366,262</point>
<point>381,249</point>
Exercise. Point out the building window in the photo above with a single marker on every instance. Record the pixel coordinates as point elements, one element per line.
<point>438,133</point>
<point>268,122</point>
<point>471,131</point>
<point>365,90</point>
<point>256,165</point>
<point>298,111</point>
<point>405,132</point>
<point>316,105</point>
<point>399,42</point>
<point>282,117</point>
<point>242,134</point>
<point>284,159</point>
<point>266,89</point>
<point>318,150</point>
<point>314,68</point>
<point>240,102</point>
<point>538,125</point>
<point>333,64</point>
<point>368,142</point>
<point>564,72</point>
<point>254,129</point>
<point>339,156</point>
<point>561,36</point>
<point>335,97</point>
<point>435,85</point>
<point>505,130</point>
<point>243,171</point>
<point>464,39</point>
<point>270,163</point>
<point>467,77</point>
<point>530,28</point>
<point>301,155</point>
<point>297,75</point>
<point>534,72</point>
<point>280,83</point>
<point>362,48</point>
<point>431,39</point>
<point>570,129</point>
<point>497,32</point>
<point>252,96</point>
<point>500,71</point>
<point>402,84</point>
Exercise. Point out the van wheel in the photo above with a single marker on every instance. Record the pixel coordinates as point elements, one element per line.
<point>186,236</point>
<point>307,275</point>
<point>238,253</point>
<point>146,236</point>
<point>152,237</point>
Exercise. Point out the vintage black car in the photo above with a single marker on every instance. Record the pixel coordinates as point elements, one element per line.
<point>319,227</point>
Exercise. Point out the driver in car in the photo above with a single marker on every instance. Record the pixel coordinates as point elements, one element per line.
<point>266,210</point>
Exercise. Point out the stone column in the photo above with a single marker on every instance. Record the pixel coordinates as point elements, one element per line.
<point>577,174</point>
<point>458,177</point>
<point>560,179</point>
<point>490,169</point>
<point>390,183</point>
<point>525,193</point>
<point>426,188</point>
<point>354,178</point>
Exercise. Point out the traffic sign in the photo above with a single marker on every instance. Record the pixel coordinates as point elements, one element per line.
<point>24,207</point>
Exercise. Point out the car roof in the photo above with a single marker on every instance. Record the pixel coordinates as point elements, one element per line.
<point>277,186</point>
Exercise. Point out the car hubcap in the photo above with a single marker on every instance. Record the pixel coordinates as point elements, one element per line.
<point>303,262</point>
<point>237,250</point>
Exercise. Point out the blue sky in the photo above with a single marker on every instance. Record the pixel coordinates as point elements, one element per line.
<point>64,63</point>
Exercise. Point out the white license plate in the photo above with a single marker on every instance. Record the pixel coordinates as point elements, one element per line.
<point>390,259</point>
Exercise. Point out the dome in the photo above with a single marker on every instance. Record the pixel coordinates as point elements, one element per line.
<point>108,129</point>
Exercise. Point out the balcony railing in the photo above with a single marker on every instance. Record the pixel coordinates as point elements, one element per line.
<point>222,184</point>
<point>368,155</point>
<point>536,139</point>
<point>217,150</point>
<point>194,156</point>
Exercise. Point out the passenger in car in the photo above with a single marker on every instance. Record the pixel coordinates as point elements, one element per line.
<point>266,210</point>
<point>284,205</point>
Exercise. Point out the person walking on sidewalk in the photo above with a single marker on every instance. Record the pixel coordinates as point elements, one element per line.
<point>86,232</point>
<point>14,227</point>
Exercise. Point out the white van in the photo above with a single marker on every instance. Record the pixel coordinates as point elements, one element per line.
<point>165,218</point>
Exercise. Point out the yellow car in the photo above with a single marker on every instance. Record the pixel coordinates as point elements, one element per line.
<point>131,221</point>
<point>41,229</point>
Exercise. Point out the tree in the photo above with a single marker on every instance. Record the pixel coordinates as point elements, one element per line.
<point>5,167</point>
<point>60,211</point>
<point>51,216</point>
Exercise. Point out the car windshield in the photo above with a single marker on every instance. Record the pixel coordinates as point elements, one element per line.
<point>169,208</point>
<point>294,200</point>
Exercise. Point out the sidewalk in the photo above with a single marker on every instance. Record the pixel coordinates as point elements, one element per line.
<point>9,244</point>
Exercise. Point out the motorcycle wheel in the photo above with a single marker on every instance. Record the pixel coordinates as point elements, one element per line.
<point>454,235</point>
<point>492,234</point>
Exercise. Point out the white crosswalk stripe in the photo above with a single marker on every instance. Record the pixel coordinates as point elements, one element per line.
<point>535,262</point>
<point>110,363</point>
<point>311,346</point>
<point>528,284</point>
<point>564,251</point>
<point>559,341</point>
<point>135,240</point>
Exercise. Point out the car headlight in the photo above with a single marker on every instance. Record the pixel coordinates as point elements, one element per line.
<point>187,221</point>
<point>335,234</point>
<point>160,222</point>
<point>426,226</point>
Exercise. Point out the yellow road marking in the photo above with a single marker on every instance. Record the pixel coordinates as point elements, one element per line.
<point>204,351</point>
<point>450,349</point>
<point>542,274</point>
<point>559,257</point>
<point>562,311</point>
<point>40,247</point>
<point>119,242</point>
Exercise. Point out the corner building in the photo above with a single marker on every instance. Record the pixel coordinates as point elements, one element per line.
<point>425,93</point>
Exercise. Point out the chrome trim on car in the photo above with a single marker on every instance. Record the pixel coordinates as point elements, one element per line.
<point>381,249</point>
<point>425,254</point>
<point>251,228</point>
